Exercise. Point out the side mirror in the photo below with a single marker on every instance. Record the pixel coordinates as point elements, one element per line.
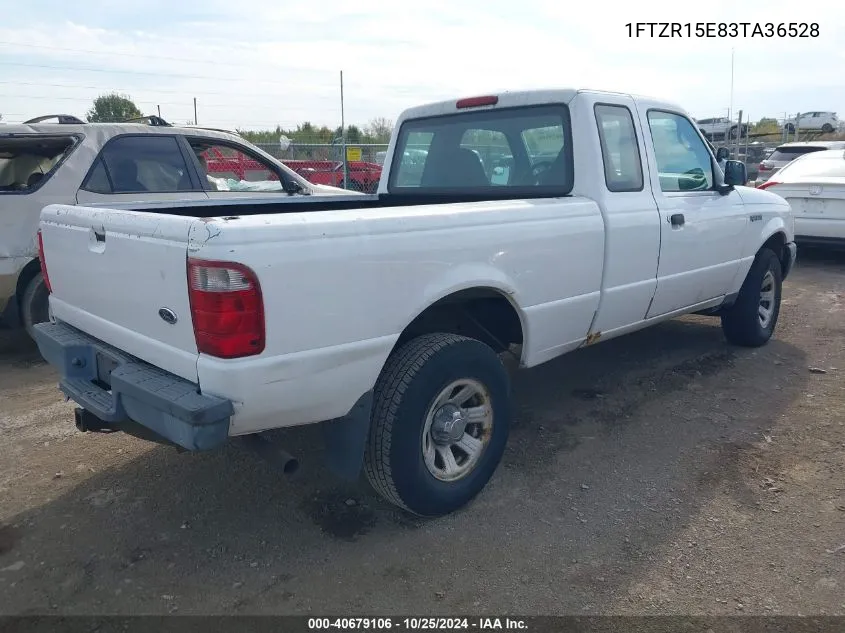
<point>291,186</point>
<point>736,174</point>
<point>723,153</point>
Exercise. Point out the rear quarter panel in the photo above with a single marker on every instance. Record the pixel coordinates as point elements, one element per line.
<point>340,286</point>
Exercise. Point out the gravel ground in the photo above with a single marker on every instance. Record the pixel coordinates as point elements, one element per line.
<point>664,472</point>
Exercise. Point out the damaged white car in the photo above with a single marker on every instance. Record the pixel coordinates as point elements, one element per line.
<point>59,159</point>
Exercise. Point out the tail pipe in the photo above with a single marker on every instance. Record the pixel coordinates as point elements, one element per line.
<point>272,453</point>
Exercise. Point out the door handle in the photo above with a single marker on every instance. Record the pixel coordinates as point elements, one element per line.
<point>677,219</point>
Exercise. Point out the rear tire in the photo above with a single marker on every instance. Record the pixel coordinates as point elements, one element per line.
<point>751,320</point>
<point>414,458</point>
<point>35,304</point>
<point>827,128</point>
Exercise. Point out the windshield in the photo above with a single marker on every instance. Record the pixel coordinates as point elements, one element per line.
<point>521,150</point>
<point>26,161</point>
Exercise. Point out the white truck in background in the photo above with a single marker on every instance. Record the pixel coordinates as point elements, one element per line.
<point>382,317</point>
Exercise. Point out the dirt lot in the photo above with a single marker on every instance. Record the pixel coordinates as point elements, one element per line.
<point>663,472</point>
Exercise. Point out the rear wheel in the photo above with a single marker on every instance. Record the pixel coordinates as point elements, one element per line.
<point>440,423</point>
<point>827,128</point>
<point>35,304</point>
<point>751,320</point>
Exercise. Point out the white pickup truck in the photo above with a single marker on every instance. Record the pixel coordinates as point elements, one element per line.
<point>535,222</point>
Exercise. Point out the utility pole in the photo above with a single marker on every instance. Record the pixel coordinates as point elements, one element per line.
<point>731,109</point>
<point>748,118</point>
<point>343,137</point>
<point>195,110</point>
<point>158,107</point>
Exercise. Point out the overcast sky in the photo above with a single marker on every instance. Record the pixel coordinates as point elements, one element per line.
<point>257,64</point>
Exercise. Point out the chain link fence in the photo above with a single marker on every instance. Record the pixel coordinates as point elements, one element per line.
<point>324,164</point>
<point>753,142</point>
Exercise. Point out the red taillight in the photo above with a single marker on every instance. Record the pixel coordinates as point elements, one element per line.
<point>43,261</point>
<point>764,167</point>
<point>767,184</point>
<point>476,102</point>
<point>227,309</point>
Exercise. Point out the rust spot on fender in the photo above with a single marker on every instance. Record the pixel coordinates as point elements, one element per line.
<point>593,337</point>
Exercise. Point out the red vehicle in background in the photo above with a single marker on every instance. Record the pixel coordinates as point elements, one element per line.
<point>363,176</point>
<point>227,162</point>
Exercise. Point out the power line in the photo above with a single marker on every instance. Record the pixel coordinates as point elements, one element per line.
<point>157,90</point>
<point>141,72</point>
<point>410,88</point>
<point>261,106</point>
<point>161,57</point>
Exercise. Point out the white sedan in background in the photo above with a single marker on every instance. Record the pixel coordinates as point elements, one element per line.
<point>814,186</point>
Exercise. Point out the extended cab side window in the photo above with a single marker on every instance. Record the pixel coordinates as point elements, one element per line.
<point>225,167</point>
<point>139,164</point>
<point>683,160</point>
<point>623,170</point>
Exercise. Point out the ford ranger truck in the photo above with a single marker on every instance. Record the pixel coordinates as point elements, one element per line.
<point>534,223</point>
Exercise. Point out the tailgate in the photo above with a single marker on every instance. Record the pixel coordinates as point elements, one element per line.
<point>111,273</point>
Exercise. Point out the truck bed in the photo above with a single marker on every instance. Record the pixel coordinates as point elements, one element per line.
<point>238,207</point>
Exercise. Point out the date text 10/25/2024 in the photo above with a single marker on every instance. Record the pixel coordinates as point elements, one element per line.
<point>723,29</point>
<point>418,624</point>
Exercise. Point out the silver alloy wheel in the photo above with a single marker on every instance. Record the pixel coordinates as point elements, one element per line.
<point>767,300</point>
<point>458,427</point>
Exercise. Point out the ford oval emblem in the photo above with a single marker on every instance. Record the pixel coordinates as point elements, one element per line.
<point>168,315</point>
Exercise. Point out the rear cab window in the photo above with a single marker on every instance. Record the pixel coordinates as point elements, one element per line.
<point>27,161</point>
<point>509,152</point>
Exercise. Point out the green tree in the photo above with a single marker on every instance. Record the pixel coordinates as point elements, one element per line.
<point>766,126</point>
<point>354,134</point>
<point>379,130</point>
<point>112,108</point>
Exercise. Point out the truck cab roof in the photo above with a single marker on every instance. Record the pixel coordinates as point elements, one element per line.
<point>520,98</point>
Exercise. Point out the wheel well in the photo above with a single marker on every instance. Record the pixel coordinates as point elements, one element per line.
<point>480,313</point>
<point>777,244</point>
<point>27,274</point>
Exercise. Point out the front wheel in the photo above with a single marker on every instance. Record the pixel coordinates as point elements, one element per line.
<point>439,426</point>
<point>751,320</point>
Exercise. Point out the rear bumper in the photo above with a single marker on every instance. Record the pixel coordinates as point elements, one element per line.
<point>169,406</point>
